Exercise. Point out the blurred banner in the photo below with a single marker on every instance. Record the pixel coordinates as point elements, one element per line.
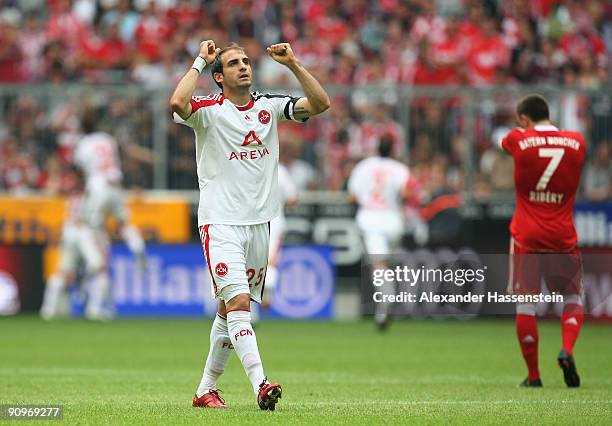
<point>176,282</point>
<point>594,224</point>
<point>21,278</point>
<point>306,286</point>
<point>38,219</point>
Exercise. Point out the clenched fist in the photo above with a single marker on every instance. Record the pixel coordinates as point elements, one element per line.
<point>282,53</point>
<point>208,51</point>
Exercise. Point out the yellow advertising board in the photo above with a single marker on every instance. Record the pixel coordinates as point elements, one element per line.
<point>38,219</point>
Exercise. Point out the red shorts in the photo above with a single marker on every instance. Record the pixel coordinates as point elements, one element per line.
<point>561,272</point>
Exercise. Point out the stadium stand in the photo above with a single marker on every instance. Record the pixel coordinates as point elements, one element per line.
<point>370,54</point>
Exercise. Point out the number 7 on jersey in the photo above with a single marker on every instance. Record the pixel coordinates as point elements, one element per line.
<point>555,155</point>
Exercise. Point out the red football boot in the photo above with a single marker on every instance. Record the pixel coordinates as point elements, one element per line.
<point>209,400</point>
<point>269,394</point>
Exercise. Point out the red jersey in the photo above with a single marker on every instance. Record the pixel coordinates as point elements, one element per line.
<point>547,167</point>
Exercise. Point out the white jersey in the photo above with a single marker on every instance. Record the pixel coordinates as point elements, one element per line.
<point>97,155</point>
<point>287,187</point>
<point>237,157</point>
<point>76,210</point>
<point>377,183</point>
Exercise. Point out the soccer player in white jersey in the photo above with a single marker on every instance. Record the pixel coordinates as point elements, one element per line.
<point>289,196</point>
<point>78,243</point>
<point>97,155</point>
<point>378,185</point>
<point>237,151</point>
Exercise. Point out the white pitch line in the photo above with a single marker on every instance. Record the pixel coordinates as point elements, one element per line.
<point>454,402</point>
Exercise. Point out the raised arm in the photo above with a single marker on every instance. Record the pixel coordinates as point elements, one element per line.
<point>316,100</point>
<point>181,98</point>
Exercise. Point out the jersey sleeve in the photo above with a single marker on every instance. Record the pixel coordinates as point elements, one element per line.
<point>79,158</point>
<point>354,182</point>
<point>283,107</point>
<point>403,175</point>
<point>508,142</point>
<point>201,112</point>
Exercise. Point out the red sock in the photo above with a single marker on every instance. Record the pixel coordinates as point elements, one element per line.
<point>527,333</point>
<point>571,321</point>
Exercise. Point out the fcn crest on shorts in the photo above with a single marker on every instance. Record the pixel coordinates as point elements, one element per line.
<point>221,269</point>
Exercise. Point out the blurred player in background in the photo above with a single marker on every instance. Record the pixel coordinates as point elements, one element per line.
<point>379,184</point>
<point>289,196</point>
<point>237,151</point>
<point>85,235</point>
<point>78,244</point>
<point>547,167</point>
<point>98,155</point>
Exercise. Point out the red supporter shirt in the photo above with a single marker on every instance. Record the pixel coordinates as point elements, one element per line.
<point>151,33</point>
<point>486,55</point>
<point>547,167</point>
<point>575,45</point>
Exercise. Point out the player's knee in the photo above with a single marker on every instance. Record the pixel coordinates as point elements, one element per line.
<point>222,310</point>
<point>96,265</point>
<point>97,269</point>
<point>61,279</point>
<point>526,309</point>
<point>240,302</point>
<point>573,299</point>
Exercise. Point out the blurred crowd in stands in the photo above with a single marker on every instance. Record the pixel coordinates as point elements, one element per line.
<point>350,43</point>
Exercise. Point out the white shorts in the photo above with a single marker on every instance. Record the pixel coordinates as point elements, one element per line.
<point>237,258</point>
<point>103,199</point>
<point>80,242</point>
<point>382,231</point>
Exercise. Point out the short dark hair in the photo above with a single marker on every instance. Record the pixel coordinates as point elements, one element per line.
<point>385,146</point>
<point>534,107</point>
<point>89,121</point>
<point>77,177</point>
<point>217,65</point>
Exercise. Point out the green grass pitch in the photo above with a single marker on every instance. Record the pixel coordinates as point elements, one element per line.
<point>146,371</point>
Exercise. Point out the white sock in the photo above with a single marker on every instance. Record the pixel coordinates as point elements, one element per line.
<point>98,294</point>
<point>218,356</point>
<point>381,311</point>
<point>245,343</point>
<point>53,290</point>
<point>133,239</point>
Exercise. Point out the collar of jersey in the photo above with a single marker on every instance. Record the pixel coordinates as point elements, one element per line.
<point>544,128</point>
<point>246,107</point>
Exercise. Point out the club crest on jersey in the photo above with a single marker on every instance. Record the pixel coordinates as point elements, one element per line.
<point>264,117</point>
<point>221,269</point>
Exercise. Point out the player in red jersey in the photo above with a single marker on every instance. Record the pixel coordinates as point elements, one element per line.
<point>547,167</point>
